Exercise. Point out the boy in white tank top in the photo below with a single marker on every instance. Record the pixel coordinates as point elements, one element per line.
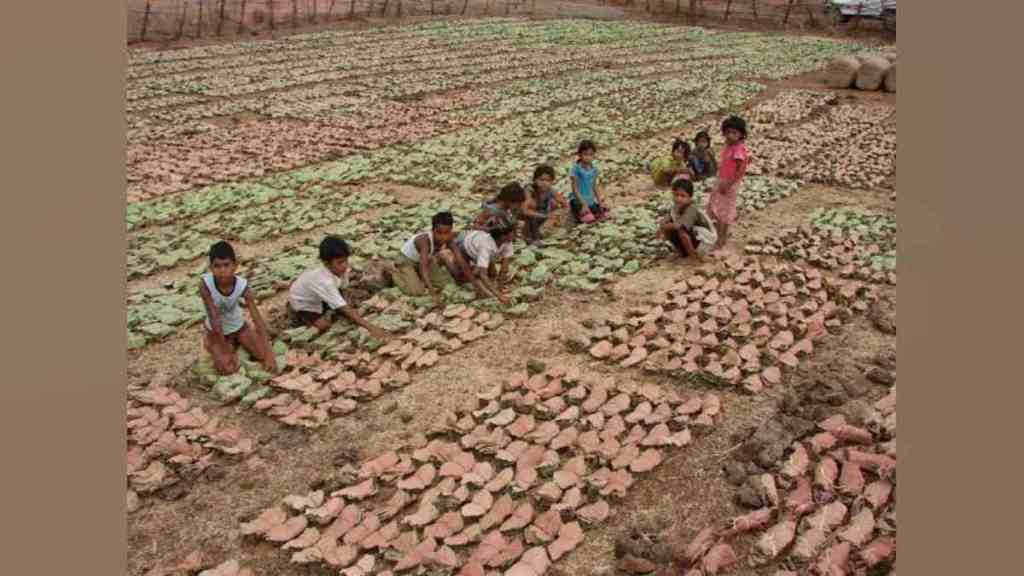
<point>417,270</point>
<point>224,295</point>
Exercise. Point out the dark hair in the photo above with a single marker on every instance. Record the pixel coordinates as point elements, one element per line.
<point>542,170</point>
<point>333,247</point>
<point>680,143</point>
<point>702,134</point>
<point>500,232</point>
<point>512,192</point>
<point>586,145</point>
<point>442,219</point>
<point>736,123</point>
<point>222,251</point>
<point>683,184</point>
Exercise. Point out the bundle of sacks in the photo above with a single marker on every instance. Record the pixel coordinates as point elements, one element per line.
<point>864,72</point>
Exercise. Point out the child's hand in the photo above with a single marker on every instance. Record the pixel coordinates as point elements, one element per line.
<point>503,299</point>
<point>377,332</point>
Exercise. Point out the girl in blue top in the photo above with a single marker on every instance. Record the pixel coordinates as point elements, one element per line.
<point>585,202</point>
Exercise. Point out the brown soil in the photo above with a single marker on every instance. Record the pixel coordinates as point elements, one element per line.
<point>683,495</point>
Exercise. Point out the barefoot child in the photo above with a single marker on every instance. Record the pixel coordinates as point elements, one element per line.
<point>585,202</point>
<point>687,228</point>
<point>502,211</point>
<point>224,295</point>
<point>314,298</point>
<point>417,271</point>
<point>665,169</point>
<point>541,199</point>
<point>475,253</point>
<point>702,160</point>
<point>731,170</point>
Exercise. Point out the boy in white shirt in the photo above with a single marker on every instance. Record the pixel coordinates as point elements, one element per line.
<point>478,250</point>
<point>315,296</point>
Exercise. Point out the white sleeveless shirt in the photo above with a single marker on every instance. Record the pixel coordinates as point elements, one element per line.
<point>409,249</point>
<point>231,317</point>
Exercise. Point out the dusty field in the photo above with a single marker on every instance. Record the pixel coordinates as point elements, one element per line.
<point>271,152</point>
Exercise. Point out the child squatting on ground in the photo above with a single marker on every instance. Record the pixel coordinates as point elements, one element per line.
<point>503,210</point>
<point>224,295</point>
<point>665,169</point>
<point>686,227</point>
<point>541,201</point>
<point>474,256</point>
<point>702,159</point>
<point>586,203</point>
<point>418,270</point>
<point>315,297</point>
<point>731,170</point>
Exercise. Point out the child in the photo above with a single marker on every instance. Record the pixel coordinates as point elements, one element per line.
<point>315,295</point>
<point>417,271</point>
<point>475,251</point>
<point>224,295</point>
<point>540,200</point>
<point>502,210</point>
<point>702,160</point>
<point>666,169</point>
<point>731,170</point>
<point>585,202</point>
<point>687,228</point>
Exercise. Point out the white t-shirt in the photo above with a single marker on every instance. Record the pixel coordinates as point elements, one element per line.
<point>316,287</point>
<point>481,248</point>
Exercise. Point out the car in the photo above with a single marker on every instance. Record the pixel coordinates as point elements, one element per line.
<point>845,10</point>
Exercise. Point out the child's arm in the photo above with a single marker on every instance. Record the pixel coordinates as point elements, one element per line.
<point>484,283</point>
<point>530,208</point>
<point>423,247</point>
<point>690,250</point>
<point>480,288</point>
<point>211,312</point>
<point>352,314</point>
<point>576,190</point>
<point>270,363</point>
<point>503,273</point>
<point>598,186</point>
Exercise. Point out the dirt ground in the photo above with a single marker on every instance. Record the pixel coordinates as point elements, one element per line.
<point>683,495</point>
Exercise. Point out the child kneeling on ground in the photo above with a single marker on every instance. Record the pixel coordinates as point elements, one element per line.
<point>586,201</point>
<point>541,201</point>
<point>224,295</point>
<point>665,169</point>
<point>474,256</point>
<point>686,227</point>
<point>417,270</point>
<point>314,298</point>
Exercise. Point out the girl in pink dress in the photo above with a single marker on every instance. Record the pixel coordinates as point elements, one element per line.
<point>732,167</point>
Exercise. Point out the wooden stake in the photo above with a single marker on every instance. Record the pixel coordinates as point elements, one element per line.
<point>145,22</point>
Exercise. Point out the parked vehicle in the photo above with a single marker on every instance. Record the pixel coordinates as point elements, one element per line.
<point>845,10</point>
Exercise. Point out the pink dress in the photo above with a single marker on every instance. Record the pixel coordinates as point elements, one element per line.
<point>722,205</point>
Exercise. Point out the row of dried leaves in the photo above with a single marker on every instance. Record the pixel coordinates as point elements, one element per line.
<point>170,439</point>
<point>739,323</point>
<point>507,487</point>
<point>830,508</point>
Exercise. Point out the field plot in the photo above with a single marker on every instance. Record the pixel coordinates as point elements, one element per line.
<point>482,438</point>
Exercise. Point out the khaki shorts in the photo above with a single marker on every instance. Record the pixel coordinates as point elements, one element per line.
<point>406,276</point>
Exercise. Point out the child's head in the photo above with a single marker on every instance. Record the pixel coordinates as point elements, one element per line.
<point>734,129</point>
<point>702,140</point>
<point>512,195</point>
<point>586,151</point>
<point>503,234</point>
<point>334,253</point>
<point>223,262</point>
<point>543,177</point>
<point>682,193</point>
<point>442,225</point>
<point>680,149</point>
